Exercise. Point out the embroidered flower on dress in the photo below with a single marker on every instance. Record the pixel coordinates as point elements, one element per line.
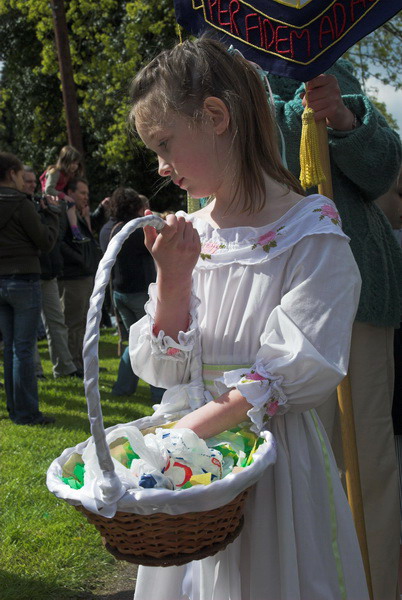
<point>172,351</point>
<point>268,240</point>
<point>210,248</point>
<point>327,210</point>
<point>272,408</point>
<point>277,397</point>
<point>252,376</point>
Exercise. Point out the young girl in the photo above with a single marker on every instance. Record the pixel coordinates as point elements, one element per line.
<point>55,179</point>
<point>265,276</point>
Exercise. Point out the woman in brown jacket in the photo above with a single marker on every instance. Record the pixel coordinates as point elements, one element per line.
<point>22,237</point>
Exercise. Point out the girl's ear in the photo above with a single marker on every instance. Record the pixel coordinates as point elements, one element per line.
<point>217,111</point>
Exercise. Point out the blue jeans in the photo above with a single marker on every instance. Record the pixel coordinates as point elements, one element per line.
<point>131,309</point>
<point>20,306</point>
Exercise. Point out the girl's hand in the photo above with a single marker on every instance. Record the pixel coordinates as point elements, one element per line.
<point>175,249</point>
<point>325,98</point>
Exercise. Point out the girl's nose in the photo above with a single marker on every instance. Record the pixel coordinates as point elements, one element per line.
<point>164,169</point>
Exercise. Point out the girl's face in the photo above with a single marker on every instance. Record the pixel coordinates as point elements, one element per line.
<point>74,167</point>
<point>190,154</point>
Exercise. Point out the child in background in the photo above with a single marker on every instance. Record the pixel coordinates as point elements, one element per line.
<point>266,278</point>
<point>55,179</point>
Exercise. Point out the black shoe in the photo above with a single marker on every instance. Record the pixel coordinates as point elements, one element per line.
<point>102,369</point>
<point>40,376</point>
<point>81,240</point>
<point>43,420</point>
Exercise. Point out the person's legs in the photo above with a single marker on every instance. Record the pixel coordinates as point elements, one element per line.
<point>38,364</point>
<point>56,329</point>
<point>371,378</point>
<point>75,297</point>
<point>156,393</point>
<point>131,309</point>
<point>23,297</point>
<point>127,380</point>
<point>7,330</point>
<point>73,222</point>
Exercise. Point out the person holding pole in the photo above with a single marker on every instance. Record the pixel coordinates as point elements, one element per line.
<point>365,155</point>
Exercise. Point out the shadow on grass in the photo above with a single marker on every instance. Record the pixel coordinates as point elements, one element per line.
<point>66,408</point>
<point>18,587</point>
<point>71,412</point>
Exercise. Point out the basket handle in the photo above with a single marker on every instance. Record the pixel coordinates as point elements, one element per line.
<point>91,346</point>
<point>91,339</point>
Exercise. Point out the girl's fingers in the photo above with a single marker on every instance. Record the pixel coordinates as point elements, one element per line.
<point>150,234</point>
<point>174,228</point>
<point>191,235</point>
<point>177,238</point>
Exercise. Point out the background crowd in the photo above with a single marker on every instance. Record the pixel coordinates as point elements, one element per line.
<point>51,247</point>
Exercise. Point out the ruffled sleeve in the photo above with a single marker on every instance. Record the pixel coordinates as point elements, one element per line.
<point>305,345</point>
<point>158,359</point>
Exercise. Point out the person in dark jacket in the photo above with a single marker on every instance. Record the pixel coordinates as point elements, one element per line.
<point>80,261</point>
<point>22,237</point>
<point>134,270</point>
<point>51,264</point>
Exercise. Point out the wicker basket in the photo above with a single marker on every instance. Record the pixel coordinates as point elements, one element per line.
<point>131,526</point>
<point>170,540</point>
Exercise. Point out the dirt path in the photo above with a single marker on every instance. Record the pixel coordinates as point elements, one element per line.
<point>119,586</point>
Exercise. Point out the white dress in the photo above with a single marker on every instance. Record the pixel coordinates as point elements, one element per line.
<point>280,299</point>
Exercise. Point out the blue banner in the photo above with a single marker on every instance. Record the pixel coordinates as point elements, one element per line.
<point>295,38</point>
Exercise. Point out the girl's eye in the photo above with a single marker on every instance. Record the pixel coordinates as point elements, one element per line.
<point>163,145</point>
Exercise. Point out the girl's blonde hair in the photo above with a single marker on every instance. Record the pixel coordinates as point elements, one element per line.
<point>68,155</point>
<point>181,79</point>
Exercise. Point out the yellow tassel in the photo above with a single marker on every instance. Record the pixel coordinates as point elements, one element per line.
<point>311,172</point>
<point>178,31</point>
<point>193,204</point>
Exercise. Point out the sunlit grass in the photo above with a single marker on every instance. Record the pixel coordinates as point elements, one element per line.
<point>49,551</point>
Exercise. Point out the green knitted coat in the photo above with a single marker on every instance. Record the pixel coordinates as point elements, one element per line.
<point>364,163</point>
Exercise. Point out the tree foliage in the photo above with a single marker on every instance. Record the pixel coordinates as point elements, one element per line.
<point>110,40</point>
<point>379,55</point>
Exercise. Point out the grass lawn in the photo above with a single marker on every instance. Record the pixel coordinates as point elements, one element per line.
<point>49,551</point>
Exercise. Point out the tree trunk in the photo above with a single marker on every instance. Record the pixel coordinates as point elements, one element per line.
<point>66,73</point>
